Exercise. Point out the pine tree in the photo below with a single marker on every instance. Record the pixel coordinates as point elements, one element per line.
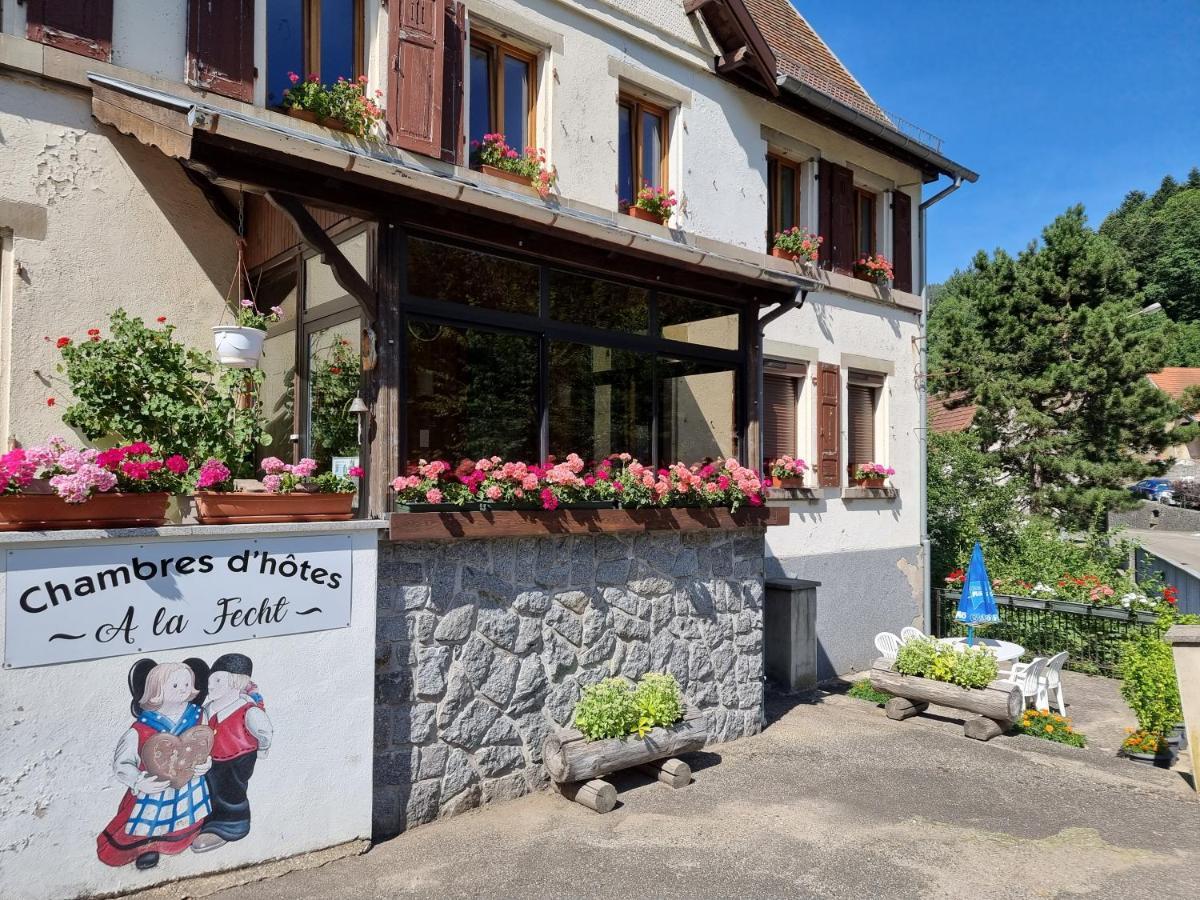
<point>1051,348</point>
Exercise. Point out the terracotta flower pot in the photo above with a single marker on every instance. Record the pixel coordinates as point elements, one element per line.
<point>231,508</point>
<point>869,482</point>
<point>780,253</point>
<point>794,482</point>
<point>238,347</point>
<point>303,115</point>
<point>505,175</point>
<point>646,216</point>
<point>49,512</point>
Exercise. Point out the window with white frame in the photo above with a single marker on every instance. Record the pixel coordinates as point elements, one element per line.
<point>864,405</point>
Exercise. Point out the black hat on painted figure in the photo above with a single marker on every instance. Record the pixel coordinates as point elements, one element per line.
<point>234,664</point>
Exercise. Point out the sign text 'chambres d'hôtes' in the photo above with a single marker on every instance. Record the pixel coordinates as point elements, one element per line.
<point>72,603</point>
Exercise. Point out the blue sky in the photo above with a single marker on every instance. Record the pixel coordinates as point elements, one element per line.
<point>1053,103</point>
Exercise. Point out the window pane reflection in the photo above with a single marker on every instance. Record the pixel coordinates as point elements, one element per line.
<point>516,103</point>
<point>333,375</point>
<point>697,322</point>
<point>277,393</point>
<point>600,304</point>
<point>600,401</point>
<point>337,41</point>
<point>698,407</point>
<point>626,189</point>
<point>652,144</point>
<point>319,284</point>
<point>481,94</point>
<point>285,46</point>
<point>787,197</point>
<point>471,393</point>
<point>445,272</point>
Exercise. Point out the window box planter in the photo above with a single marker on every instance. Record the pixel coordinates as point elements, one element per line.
<point>498,523</point>
<point>870,493</point>
<point>306,115</point>
<point>1163,759</point>
<point>569,756</point>
<point>996,706</point>
<point>790,484</point>
<point>1070,607</point>
<point>49,512</point>
<point>638,213</point>
<point>505,175</point>
<point>437,507</point>
<point>238,508</point>
<point>238,347</point>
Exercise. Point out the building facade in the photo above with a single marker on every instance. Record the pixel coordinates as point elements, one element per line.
<point>148,158</point>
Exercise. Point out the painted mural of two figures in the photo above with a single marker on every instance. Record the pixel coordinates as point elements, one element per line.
<point>186,760</point>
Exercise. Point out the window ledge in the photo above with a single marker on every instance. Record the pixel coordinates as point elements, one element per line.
<point>848,284</point>
<point>780,496</point>
<point>867,493</point>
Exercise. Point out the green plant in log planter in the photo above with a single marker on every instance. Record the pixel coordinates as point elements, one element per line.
<point>969,668</point>
<point>607,710</point>
<point>659,701</point>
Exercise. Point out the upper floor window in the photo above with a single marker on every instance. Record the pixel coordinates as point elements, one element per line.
<point>864,222</point>
<point>783,195</point>
<point>503,92</point>
<point>312,37</point>
<point>641,146</point>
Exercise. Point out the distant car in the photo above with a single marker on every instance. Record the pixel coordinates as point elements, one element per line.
<point>1158,489</point>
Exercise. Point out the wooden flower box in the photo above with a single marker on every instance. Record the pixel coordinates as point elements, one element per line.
<point>645,215</point>
<point>996,706</point>
<point>243,508</point>
<point>569,756</point>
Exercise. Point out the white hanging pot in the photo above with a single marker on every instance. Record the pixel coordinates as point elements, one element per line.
<point>238,347</point>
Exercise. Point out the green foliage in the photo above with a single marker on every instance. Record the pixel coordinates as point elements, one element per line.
<point>1050,727</point>
<point>140,384</point>
<point>1049,347</point>
<point>659,701</point>
<point>335,383</point>
<point>612,708</point>
<point>607,710</point>
<point>864,690</point>
<point>970,667</point>
<point>1149,685</point>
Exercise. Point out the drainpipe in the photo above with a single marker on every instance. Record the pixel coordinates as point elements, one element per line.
<point>923,430</point>
<point>797,302</point>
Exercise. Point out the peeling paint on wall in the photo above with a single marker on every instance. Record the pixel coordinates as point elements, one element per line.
<point>914,573</point>
<point>67,164</point>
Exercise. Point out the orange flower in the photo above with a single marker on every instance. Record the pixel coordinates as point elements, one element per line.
<point>1049,729</point>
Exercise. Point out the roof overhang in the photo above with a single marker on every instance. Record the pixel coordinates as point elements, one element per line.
<point>745,53</point>
<point>872,131</point>
<point>362,178</point>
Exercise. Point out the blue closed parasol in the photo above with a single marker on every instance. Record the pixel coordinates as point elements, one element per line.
<point>977,606</point>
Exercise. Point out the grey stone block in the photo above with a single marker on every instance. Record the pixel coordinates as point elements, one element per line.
<point>510,787</point>
<point>468,729</point>
<point>431,672</point>
<point>455,625</point>
<point>612,571</point>
<point>431,761</point>
<point>460,774</point>
<point>575,601</point>
<point>531,603</point>
<point>503,731</point>
<point>498,687</point>
<point>492,761</point>
<point>499,626</point>
<point>566,623</point>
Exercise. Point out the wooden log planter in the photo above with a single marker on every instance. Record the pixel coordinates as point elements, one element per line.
<point>577,764</point>
<point>996,706</point>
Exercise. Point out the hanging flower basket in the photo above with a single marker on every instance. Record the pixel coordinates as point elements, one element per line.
<point>237,346</point>
<point>49,512</point>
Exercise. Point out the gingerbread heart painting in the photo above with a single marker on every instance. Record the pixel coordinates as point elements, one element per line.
<point>186,760</point>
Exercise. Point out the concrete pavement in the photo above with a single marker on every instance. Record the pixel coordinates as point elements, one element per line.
<point>831,800</point>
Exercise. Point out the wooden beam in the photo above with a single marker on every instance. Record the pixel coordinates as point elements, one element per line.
<point>729,62</point>
<point>153,125</point>
<point>216,198</point>
<point>314,235</point>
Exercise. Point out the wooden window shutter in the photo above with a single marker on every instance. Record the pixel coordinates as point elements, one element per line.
<point>78,26</point>
<point>841,218</point>
<point>902,246</point>
<point>416,43</point>
<point>829,425</point>
<point>220,47</point>
<point>825,211</point>
<point>860,423</point>
<point>454,61</point>
<point>780,396</point>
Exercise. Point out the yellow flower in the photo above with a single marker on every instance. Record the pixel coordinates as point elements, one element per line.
<point>1049,729</point>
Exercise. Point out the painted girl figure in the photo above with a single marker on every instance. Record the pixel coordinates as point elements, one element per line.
<point>235,711</point>
<point>162,760</point>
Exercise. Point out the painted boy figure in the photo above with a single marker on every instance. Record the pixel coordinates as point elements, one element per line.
<point>243,731</point>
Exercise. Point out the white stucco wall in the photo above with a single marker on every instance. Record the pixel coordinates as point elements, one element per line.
<point>311,790</point>
<point>98,221</point>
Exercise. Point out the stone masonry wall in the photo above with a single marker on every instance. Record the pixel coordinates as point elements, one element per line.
<point>483,647</point>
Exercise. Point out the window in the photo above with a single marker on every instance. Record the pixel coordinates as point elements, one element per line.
<point>695,321</point>
<point>279,287</point>
<point>641,146</point>
<point>863,392</point>
<point>601,401</point>
<point>783,386</point>
<point>783,195</point>
<point>503,92</point>
<point>322,37</point>
<point>454,274</point>
<point>864,223</point>
<point>697,410</point>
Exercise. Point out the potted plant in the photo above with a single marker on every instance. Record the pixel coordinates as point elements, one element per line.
<point>1147,748</point>
<point>291,493</point>
<point>343,106</point>
<point>874,268</point>
<point>652,204</point>
<point>1151,690</point>
<point>54,486</point>
<point>871,475</point>
<point>240,345</point>
<point>797,244</point>
<point>787,472</point>
<point>433,487</point>
<point>496,158</point>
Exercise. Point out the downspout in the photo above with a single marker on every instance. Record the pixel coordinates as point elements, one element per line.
<point>923,430</point>
<point>797,302</point>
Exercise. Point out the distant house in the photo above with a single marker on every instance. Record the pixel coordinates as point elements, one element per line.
<point>949,414</point>
<point>1174,381</point>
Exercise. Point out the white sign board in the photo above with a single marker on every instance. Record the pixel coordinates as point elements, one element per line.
<point>70,603</point>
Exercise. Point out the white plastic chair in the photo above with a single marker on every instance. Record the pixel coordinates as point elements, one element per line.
<point>908,633</point>
<point>887,644</point>
<point>1052,680</point>
<point>1028,677</point>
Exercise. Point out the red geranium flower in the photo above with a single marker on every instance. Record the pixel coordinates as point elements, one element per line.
<point>62,342</point>
<point>49,401</point>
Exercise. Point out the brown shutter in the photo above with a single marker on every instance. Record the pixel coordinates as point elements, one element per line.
<point>841,218</point>
<point>860,424</point>
<point>829,426</point>
<point>220,47</point>
<point>79,26</point>
<point>780,396</point>
<point>454,61</point>
<point>902,247</point>
<point>415,46</point>
<point>825,211</point>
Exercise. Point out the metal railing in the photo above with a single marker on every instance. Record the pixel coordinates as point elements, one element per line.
<point>1092,635</point>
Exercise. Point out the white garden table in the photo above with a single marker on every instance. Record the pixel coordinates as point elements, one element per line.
<point>1004,651</point>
